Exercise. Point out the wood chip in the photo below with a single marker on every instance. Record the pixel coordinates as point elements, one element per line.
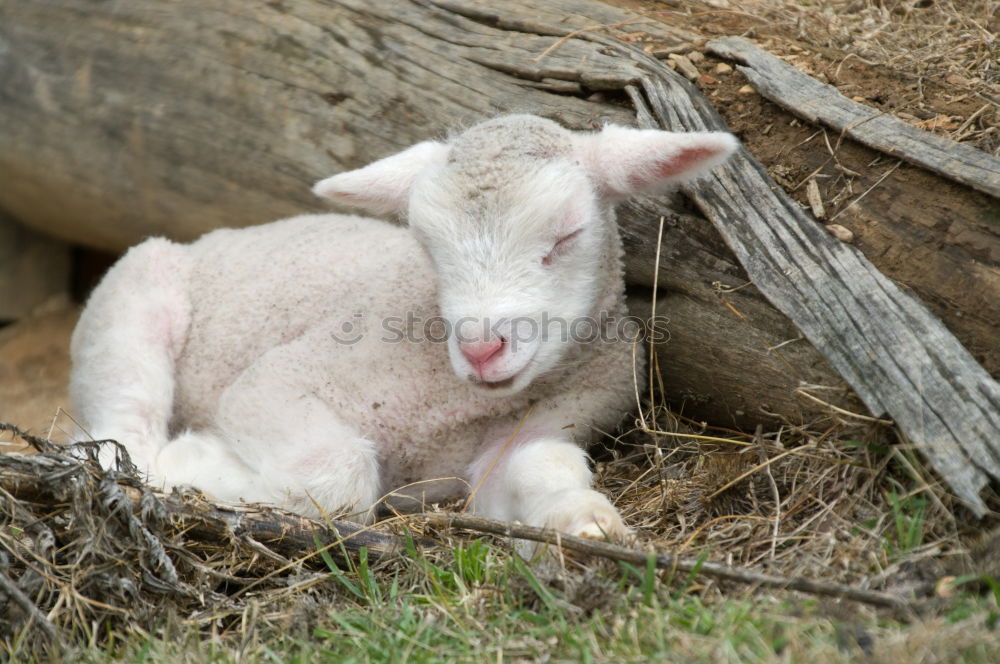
<point>747,90</point>
<point>938,122</point>
<point>685,66</point>
<point>705,79</point>
<point>722,68</point>
<point>841,233</point>
<point>664,52</point>
<point>846,171</point>
<point>816,201</point>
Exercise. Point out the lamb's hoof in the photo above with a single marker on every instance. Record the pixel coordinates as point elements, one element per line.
<point>613,531</point>
<point>582,513</point>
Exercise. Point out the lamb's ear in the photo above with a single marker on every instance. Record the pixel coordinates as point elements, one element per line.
<point>383,187</point>
<point>625,161</point>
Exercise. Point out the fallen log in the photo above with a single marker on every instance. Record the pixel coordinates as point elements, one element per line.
<point>924,231</point>
<point>148,141</point>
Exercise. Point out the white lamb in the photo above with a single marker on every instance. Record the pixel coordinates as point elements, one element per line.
<point>303,363</point>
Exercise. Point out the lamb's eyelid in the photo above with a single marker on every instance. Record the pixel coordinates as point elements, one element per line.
<point>559,245</point>
<point>566,237</point>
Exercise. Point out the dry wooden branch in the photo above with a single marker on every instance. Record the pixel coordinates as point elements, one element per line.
<point>663,560</point>
<point>820,103</point>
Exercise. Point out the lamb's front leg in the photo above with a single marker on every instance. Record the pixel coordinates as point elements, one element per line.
<point>543,482</point>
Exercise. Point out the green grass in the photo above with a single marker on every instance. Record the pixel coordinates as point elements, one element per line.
<point>480,603</point>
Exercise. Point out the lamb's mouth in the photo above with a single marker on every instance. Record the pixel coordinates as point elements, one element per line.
<point>498,384</point>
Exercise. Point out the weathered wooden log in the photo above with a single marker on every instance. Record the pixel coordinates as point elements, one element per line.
<point>823,104</point>
<point>939,239</point>
<point>899,359</point>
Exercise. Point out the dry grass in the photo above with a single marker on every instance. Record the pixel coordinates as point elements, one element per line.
<point>918,38</point>
<point>840,499</point>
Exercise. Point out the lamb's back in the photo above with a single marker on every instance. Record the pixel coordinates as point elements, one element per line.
<point>257,288</point>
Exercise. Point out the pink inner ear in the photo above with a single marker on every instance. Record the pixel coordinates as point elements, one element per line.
<point>688,159</point>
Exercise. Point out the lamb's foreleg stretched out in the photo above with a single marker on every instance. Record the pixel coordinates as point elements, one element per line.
<point>543,482</point>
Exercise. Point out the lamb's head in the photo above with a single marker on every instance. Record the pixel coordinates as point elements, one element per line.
<point>516,215</point>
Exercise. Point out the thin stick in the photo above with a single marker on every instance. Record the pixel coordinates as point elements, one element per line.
<point>743,476</point>
<point>867,191</point>
<point>665,560</point>
<point>576,33</point>
<point>635,384</point>
<point>762,452</point>
<point>652,322</point>
<point>846,413</point>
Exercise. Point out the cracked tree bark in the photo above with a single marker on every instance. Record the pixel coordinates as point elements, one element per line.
<point>221,113</point>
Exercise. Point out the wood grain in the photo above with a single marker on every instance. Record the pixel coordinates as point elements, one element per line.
<point>897,357</point>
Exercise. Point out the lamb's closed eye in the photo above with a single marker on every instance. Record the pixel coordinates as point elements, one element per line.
<point>561,246</point>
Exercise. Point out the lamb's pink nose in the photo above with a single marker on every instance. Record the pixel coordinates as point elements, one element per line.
<point>479,353</point>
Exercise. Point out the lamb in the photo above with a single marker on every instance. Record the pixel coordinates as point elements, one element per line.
<point>322,362</point>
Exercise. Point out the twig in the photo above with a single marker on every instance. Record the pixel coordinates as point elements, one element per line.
<point>665,560</point>
<point>576,33</point>
<point>762,454</point>
<point>858,416</point>
<point>971,119</point>
<point>40,444</point>
<point>868,191</point>
<point>652,317</point>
